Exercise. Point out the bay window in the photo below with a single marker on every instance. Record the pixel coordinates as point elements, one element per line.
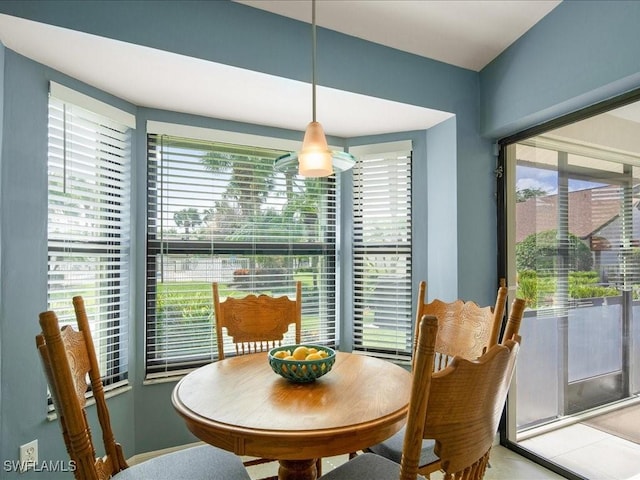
<point>382,250</point>
<point>218,211</point>
<point>89,188</point>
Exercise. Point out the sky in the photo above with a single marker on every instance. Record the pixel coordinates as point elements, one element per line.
<point>547,180</point>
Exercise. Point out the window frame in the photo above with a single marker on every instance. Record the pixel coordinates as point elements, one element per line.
<point>400,310</point>
<point>157,366</point>
<point>94,168</point>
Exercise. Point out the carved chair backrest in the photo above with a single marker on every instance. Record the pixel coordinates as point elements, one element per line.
<point>464,328</point>
<point>68,357</point>
<point>256,323</point>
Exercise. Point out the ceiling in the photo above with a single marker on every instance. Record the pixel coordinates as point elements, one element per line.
<point>465,33</point>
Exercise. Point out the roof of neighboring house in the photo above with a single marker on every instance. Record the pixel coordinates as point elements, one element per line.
<point>589,210</point>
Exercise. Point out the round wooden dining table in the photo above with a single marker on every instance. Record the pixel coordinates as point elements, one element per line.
<point>239,404</point>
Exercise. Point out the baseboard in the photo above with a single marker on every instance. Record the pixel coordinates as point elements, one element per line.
<point>143,457</point>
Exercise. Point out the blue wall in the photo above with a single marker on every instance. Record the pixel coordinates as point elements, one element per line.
<point>582,53</point>
<point>456,218</point>
<point>24,271</point>
<point>23,249</point>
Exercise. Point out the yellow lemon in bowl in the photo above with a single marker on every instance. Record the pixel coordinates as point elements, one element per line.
<point>300,353</point>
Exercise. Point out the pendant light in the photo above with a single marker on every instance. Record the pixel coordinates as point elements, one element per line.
<point>315,159</point>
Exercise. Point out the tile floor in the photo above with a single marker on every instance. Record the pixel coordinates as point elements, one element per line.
<point>589,452</point>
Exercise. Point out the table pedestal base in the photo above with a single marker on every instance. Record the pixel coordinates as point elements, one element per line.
<point>297,470</point>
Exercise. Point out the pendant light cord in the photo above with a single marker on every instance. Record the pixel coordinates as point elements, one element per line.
<point>313,58</point>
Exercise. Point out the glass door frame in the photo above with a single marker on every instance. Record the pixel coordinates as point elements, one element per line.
<point>506,236</point>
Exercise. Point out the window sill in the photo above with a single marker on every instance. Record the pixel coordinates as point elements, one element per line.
<point>168,377</point>
<point>119,390</point>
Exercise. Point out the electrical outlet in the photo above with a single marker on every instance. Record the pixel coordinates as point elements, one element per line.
<point>28,455</point>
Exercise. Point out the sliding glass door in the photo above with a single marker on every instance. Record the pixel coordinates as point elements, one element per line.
<point>572,223</point>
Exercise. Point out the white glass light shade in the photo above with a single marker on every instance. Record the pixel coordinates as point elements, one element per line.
<point>314,159</point>
<point>288,163</point>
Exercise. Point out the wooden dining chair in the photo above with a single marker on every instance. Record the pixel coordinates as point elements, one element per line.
<point>465,329</point>
<point>256,323</point>
<point>68,356</point>
<point>459,407</point>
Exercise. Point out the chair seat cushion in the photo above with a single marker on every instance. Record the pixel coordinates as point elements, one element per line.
<point>391,448</point>
<point>366,466</point>
<point>194,463</point>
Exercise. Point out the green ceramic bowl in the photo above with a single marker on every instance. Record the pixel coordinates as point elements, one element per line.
<point>302,371</point>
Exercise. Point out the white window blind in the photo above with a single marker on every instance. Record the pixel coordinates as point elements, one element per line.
<point>219,212</point>
<point>382,252</point>
<point>89,227</point>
